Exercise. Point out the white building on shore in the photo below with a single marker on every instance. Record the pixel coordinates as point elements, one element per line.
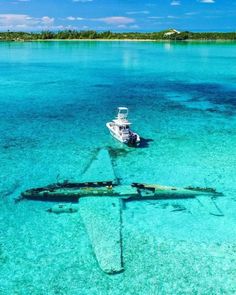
<point>171,32</point>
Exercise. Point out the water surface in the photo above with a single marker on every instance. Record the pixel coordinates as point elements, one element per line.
<point>55,98</point>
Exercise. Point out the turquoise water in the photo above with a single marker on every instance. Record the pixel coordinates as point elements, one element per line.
<point>55,98</point>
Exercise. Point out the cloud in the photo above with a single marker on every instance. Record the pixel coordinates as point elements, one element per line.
<point>122,26</point>
<point>116,20</point>
<point>207,1</point>
<point>156,17</point>
<point>73,18</point>
<point>47,20</point>
<point>138,12</point>
<point>20,1</point>
<point>172,17</point>
<point>175,3</point>
<point>134,27</point>
<point>24,21</point>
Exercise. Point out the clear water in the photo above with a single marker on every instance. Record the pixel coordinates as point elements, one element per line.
<point>55,98</point>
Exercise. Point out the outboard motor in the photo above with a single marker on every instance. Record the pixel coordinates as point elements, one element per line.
<point>133,139</point>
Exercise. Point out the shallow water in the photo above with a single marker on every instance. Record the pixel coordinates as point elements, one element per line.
<point>55,98</point>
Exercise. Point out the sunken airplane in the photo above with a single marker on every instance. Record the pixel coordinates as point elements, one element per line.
<point>101,198</point>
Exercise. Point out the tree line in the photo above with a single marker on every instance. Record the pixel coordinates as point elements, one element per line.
<point>108,35</point>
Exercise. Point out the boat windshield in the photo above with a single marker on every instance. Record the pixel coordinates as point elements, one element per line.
<point>124,127</point>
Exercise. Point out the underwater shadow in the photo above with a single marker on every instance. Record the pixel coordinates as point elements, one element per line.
<point>144,142</point>
<point>164,197</point>
<point>117,152</point>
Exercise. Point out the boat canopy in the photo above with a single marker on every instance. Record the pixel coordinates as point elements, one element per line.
<point>122,113</point>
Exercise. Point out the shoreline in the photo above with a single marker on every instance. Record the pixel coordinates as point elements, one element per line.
<point>119,40</point>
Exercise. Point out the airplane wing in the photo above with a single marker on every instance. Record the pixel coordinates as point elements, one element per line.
<point>103,222</point>
<point>100,168</point>
<point>102,216</point>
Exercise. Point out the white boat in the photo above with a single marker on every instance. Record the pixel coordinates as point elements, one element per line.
<point>120,128</point>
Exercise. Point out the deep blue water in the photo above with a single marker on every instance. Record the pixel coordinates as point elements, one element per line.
<point>55,98</point>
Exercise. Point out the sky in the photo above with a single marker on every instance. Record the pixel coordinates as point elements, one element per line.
<point>114,15</point>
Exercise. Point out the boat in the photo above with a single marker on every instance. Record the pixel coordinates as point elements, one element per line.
<point>120,128</point>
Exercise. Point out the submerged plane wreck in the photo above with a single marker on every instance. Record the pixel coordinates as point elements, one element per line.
<point>99,196</point>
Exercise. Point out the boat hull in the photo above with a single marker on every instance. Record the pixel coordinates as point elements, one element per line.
<point>120,138</point>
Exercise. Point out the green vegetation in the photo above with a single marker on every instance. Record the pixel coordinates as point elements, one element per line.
<point>93,35</point>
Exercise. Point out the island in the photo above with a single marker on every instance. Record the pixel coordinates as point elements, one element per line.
<point>171,35</point>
